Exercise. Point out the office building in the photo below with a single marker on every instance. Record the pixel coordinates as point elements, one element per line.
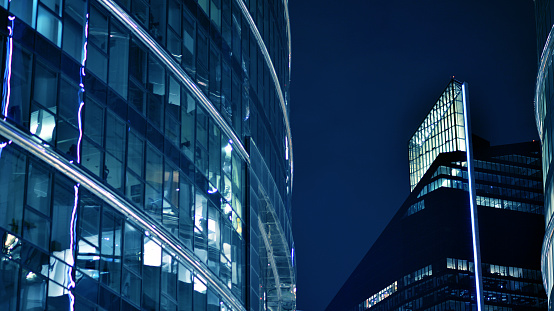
<point>424,259</point>
<point>544,102</point>
<point>145,155</point>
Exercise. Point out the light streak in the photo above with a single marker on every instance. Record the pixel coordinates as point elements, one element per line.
<point>73,224</point>
<point>8,71</point>
<point>472,203</point>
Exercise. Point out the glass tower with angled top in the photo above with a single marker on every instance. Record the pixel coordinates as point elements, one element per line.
<point>441,131</point>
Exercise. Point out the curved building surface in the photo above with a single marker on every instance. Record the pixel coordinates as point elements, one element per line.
<point>544,102</point>
<point>145,155</point>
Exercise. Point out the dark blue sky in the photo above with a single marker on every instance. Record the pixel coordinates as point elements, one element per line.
<point>364,75</point>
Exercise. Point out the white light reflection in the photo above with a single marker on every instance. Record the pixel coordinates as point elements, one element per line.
<point>8,71</point>
<point>472,203</point>
<point>73,228</point>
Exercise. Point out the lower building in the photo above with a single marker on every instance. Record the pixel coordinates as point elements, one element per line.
<point>423,260</point>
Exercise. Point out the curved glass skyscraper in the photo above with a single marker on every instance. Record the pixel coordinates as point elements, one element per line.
<point>544,102</point>
<point>145,155</point>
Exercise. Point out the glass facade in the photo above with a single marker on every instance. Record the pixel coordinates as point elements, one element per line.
<point>544,102</point>
<point>146,155</point>
<point>441,131</point>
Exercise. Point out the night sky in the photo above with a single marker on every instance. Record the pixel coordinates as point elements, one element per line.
<point>364,75</point>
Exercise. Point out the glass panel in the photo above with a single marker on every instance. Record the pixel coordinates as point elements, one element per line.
<point>43,123</point>
<point>36,229</point>
<point>115,136</point>
<point>134,189</point>
<point>32,295</point>
<point>171,198</point>
<point>45,87</point>
<point>62,211</point>
<point>69,102</point>
<point>188,110</point>
<point>174,16</point>
<point>189,38</point>
<point>133,248</point>
<point>12,187</point>
<point>97,63</point>
<point>49,26</point>
<point>199,295</point>
<point>92,158</point>
<point>204,4</point>
<point>38,188</point>
<point>94,121</point>
<point>154,178</point>
<point>135,155</point>
<point>186,212</point>
<point>174,45</point>
<point>10,275</point>
<point>156,87</point>
<point>73,38</point>
<point>113,172</point>
<point>156,27</point>
<point>131,285</point>
<point>200,244</point>
<point>110,265</point>
<point>137,59</point>
<point>67,139</point>
<point>25,10</point>
<point>213,301</point>
<point>151,272</point>
<point>98,29</point>
<point>20,94</point>
<point>89,219</point>
<point>215,13</point>
<point>185,289</point>
<point>137,98</point>
<point>169,275</point>
<point>119,61</point>
<point>215,156</point>
<point>140,11</point>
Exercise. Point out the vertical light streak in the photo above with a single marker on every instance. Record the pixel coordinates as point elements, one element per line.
<point>8,71</point>
<point>73,228</point>
<point>472,202</point>
<point>82,92</point>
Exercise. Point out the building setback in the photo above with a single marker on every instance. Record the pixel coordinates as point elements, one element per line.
<point>424,259</point>
<point>145,155</point>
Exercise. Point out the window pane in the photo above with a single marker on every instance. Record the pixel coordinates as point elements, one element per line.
<point>151,272</point>
<point>45,87</point>
<point>12,187</point>
<point>62,229</point>
<point>189,37</point>
<point>36,229</point>
<point>49,26</point>
<point>185,289</point>
<point>186,212</point>
<point>188,109</point>
<point>25,10</point>
<point>119,62</point>
<point>38,188</point>
<point>20,95</point>
<point>10,275</point>
<point>133,248</point>
<point>98,29</point>
<point>33,291</point>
